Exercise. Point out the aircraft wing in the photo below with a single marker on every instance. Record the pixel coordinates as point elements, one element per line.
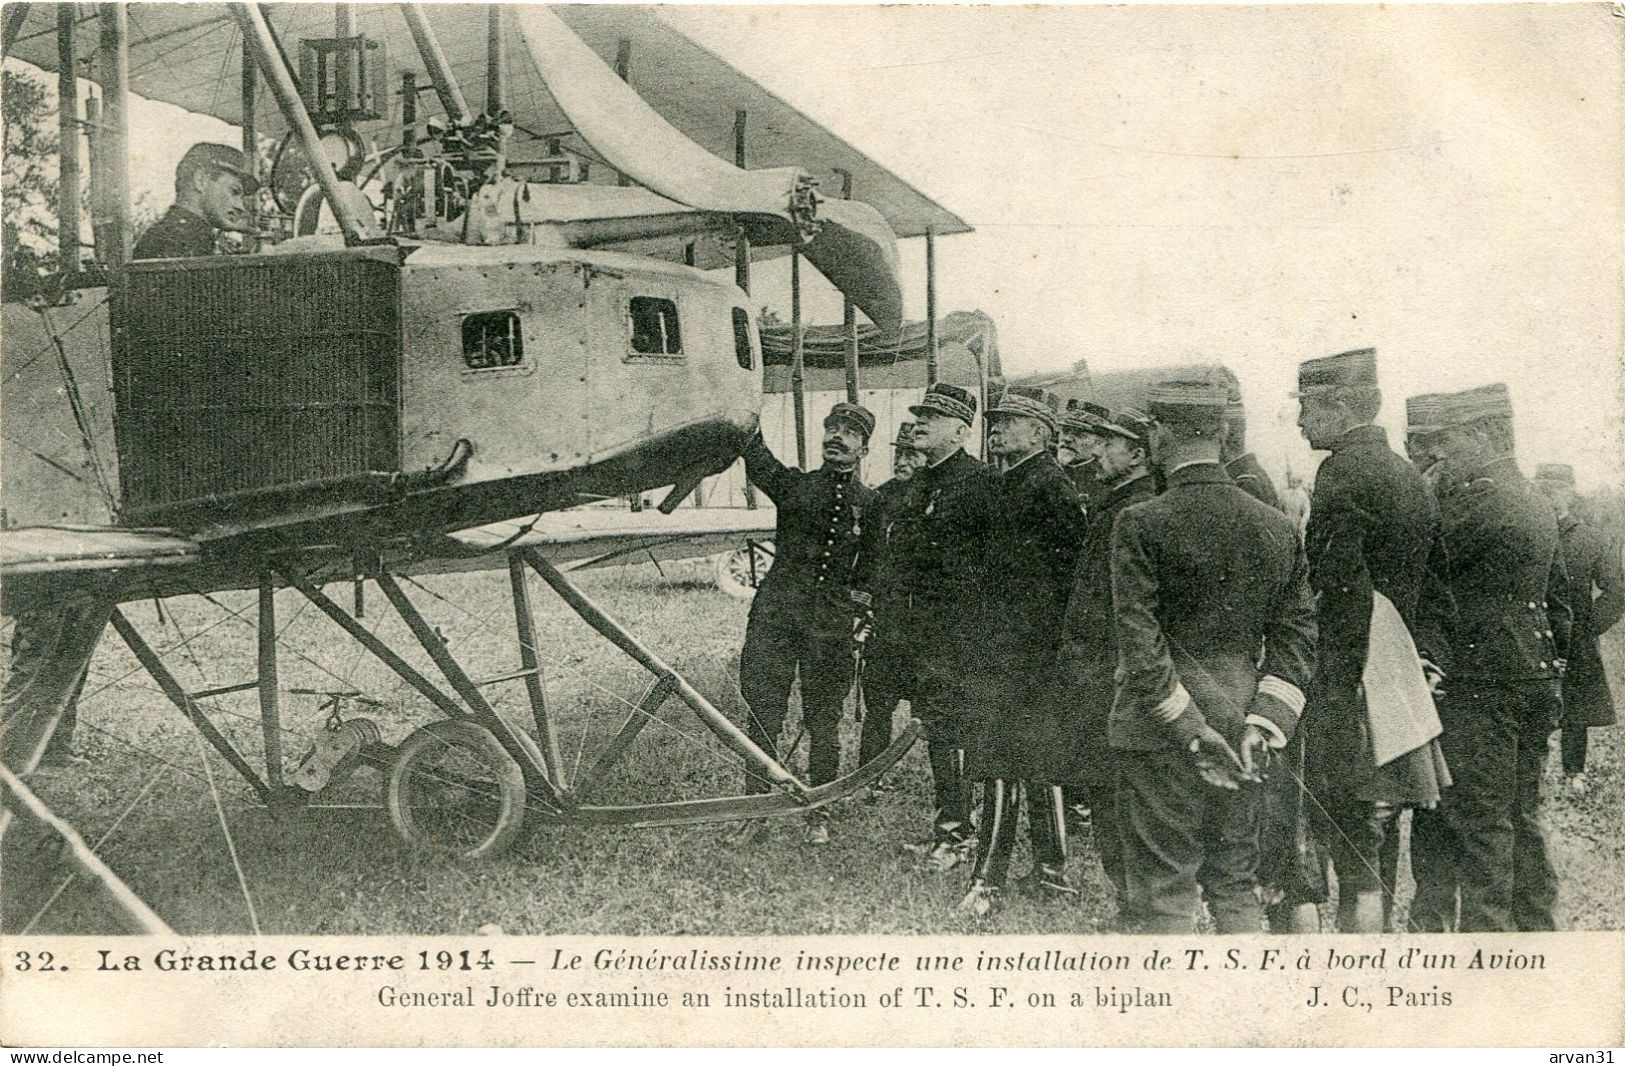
<point>44,563</point>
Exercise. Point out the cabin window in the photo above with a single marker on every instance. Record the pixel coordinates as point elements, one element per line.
<point>492,340</point>
<point>742,351</point>
<point>654,326</point>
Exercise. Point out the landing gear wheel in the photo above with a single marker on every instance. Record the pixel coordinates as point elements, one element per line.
<point>454,791</point>
<point>736,569</point>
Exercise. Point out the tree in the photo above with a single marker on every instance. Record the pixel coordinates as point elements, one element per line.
<point>28,202</point>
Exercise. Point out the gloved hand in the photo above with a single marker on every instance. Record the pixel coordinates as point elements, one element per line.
<point>863,627</point>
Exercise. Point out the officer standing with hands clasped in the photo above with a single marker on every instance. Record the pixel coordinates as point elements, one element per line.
<point>1215,627</point>
<point>938,559</point>
<point>1020,723</point>
<point>1502,565</point>
<point>815,598</point>
<point>1088,655</point>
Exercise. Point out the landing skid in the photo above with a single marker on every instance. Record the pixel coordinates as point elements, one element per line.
<point>465,785</point>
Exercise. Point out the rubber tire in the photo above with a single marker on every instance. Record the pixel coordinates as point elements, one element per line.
<point>510,781</point>
<point>733,570</point>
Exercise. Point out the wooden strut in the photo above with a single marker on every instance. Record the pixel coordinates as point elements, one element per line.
<point>616,634</point>
<point>186,704</point>
<point>20,801</point>
<point>521,747</point>
<point>530,661</point>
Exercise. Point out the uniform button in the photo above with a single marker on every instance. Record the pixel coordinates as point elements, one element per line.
<point>1543,665</point>
<point>1548,632</point>
<point>1532,607</point>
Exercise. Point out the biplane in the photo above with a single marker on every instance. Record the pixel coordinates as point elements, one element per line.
<point>450,326</point>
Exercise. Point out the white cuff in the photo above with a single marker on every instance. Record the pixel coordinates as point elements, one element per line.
<point>1277,739</point>
<point>1174,706</point>
<point>1285,691</point>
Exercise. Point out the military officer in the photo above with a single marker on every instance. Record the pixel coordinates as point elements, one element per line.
<point>1597,598</point>
<point>1241,464</point>
<point>1372,525</point>
<point>939,545</point>
<point>815,597</point>
<point>887,660</point>
<point>1034,546</point>
<point>1215,629</point>
<point>1077,451</point>
<point>1088,654</point>
<point>1501,563</point>
<point>212,184</point>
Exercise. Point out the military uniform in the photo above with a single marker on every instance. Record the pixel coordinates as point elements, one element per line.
<point>1088,661</point>
<point>1372,526</point>
<point>888,663</point>
<point>1034,548</point>
<point>1253,479</point>
<point>1596,595</point>
<point>178,234</point>
<point>937,572</point>
<point>801,622</point>
<point>1502,564</point>
<point>1204,578</point>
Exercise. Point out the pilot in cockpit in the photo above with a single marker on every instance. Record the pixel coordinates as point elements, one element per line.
<point>212,186</point>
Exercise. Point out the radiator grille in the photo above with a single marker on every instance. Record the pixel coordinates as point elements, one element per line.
<point>255,373</point>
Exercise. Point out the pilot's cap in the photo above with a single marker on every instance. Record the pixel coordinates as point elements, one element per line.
<point>208,155</point>
<point>857,416</point>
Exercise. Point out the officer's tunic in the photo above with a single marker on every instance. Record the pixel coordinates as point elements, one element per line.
<point>1502,565</point>
<point>179,234</point>
<point>826,551</point>
<point>1035,544</point>
<point>937,576</point>
<point>1088,661</point>
<point>1372,525</point>
<point>1207,584</point>
<point>1597,599</point>
<point>887,661</point>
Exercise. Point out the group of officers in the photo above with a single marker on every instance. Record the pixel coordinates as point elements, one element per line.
<point>1118,616</point>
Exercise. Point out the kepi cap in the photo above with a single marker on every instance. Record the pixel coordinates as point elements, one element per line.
<point>1132,425</point>
<point>854,415</point>
<point>1352,369</point>
<point>1189,400</point>
<point>1015,405</point>
<point>1474,405</point>
<point>905,436</point>
<point>950,400</point>
<point>1422,414</point>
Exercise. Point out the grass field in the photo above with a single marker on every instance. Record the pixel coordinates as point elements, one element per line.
<point>146,799</point>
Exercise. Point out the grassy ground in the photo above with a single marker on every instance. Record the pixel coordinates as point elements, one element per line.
<point>146,800</point>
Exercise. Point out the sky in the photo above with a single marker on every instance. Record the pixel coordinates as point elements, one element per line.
<point>1251,186</point>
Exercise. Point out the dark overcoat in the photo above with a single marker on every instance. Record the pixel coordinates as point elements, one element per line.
<point>1088,653</point>
<point>1597,598</point>
<point>1210,591</point>
<point>1372,526</point>
<point>935,576</point>
<point>1033,546</point>
<point>1501,559</point>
